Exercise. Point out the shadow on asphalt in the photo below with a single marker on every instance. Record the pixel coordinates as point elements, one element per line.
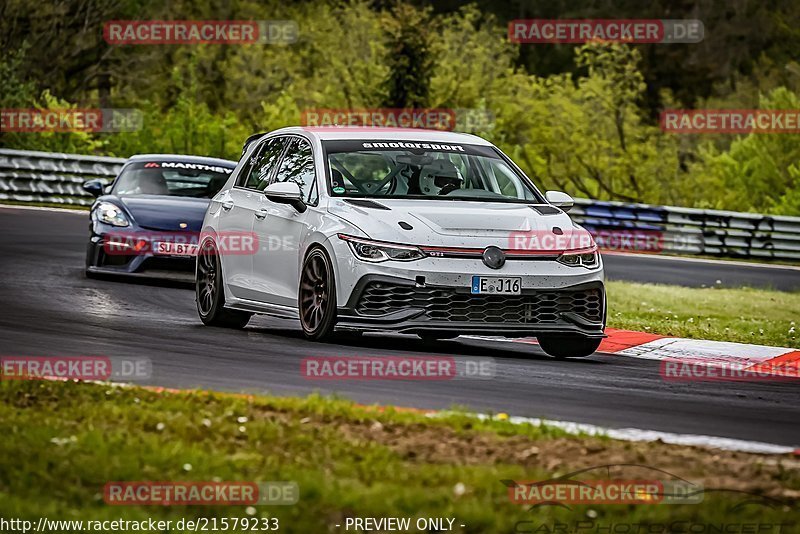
<point>412,344</point>
<point>395,342</point>
<point>144,280</point>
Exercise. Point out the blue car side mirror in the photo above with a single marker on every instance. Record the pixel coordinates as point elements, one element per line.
<point>94,187</point>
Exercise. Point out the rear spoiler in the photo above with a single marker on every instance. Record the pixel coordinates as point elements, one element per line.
<point>250,139</point>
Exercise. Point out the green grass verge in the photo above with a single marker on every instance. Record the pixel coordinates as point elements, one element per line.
<point>743,315</point>
<point>63,441</point>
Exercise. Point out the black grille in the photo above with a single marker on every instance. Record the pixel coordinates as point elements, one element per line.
<point>541,307</point>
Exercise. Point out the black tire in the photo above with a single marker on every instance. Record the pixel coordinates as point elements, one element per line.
<point>89,255</point>
<point>316,298</point>
<point>569,346</point>
<point>210,295</point>
<point>430,337</point>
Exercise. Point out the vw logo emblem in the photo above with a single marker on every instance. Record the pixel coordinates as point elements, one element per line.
<point>493,257</point>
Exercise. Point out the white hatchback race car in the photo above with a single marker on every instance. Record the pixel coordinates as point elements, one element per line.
<point>425,232</point>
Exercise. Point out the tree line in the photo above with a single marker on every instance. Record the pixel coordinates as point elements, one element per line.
<point>581,118</point>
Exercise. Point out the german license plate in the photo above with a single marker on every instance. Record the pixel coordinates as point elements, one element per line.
<point>494,285</point>
<point>168,248</point>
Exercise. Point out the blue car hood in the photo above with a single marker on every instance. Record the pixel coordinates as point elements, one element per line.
<point>158,212</point>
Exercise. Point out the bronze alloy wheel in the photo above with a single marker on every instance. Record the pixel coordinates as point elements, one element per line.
<point>317,296</point>
<point>206,279</point>
<point>209,292</point>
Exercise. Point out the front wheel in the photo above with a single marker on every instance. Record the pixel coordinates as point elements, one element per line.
<point>210,295</point>
<point>317,296</point>
<point>568,346</point>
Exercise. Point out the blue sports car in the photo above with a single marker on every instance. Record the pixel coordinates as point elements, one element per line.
<point>147,222</point>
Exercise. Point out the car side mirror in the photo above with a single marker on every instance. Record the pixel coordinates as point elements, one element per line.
<point>94,187</point>
<point>560,200</point>
<point>286,193</point>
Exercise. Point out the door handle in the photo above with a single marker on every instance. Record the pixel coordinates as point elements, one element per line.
<point>227,205</point>
<point>260,214</point>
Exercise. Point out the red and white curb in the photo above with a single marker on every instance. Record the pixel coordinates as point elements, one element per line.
<point>658,347</point>
<point>745,356</point>
<point>765,360</point>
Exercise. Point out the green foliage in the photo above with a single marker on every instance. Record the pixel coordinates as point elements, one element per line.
<point>408,84</point>
<point>587,126</point>
<point>587,136</point>
<point>759,172</point>
<point>188,127</point>
<point>18,93</point>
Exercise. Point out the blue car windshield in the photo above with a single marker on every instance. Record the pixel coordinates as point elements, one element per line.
<point>171,178</point>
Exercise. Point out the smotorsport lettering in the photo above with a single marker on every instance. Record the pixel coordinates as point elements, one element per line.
<point>401,144</point>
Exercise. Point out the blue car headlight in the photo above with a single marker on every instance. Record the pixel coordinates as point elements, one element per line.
<point>109,213</point>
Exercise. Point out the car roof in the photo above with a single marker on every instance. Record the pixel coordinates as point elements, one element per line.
<point>360,133</point>
<point>183,158</point>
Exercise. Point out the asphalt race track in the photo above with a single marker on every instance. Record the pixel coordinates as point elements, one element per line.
<point>692,272</point>
<point>50,309</point>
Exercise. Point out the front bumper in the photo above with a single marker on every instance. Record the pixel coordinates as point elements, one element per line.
<point>99,260</point>
<point>380,302</point>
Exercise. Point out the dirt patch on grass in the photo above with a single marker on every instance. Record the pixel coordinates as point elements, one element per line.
<point>777,476</point>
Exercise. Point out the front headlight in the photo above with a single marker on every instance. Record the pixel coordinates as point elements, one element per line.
<point>377,251</point>
<point>108,213</point>
<point>583,258</point>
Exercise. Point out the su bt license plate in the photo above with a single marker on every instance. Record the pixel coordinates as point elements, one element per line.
<point>168,248</point>
<point>504,285</point>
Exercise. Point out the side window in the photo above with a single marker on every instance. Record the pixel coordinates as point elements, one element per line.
<point>298,167</point>
<point>262,162</point>
<point>244,174</point>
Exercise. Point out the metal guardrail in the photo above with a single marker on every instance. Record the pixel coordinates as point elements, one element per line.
<point>727,234</point>
<point>28,176</point>
<point>49,177</point>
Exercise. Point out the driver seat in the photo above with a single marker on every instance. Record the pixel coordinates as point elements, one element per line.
<point>153,184</point>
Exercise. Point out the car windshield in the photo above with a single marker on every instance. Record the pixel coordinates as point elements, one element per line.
<point>413,169</point>
<point>181,179</point>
